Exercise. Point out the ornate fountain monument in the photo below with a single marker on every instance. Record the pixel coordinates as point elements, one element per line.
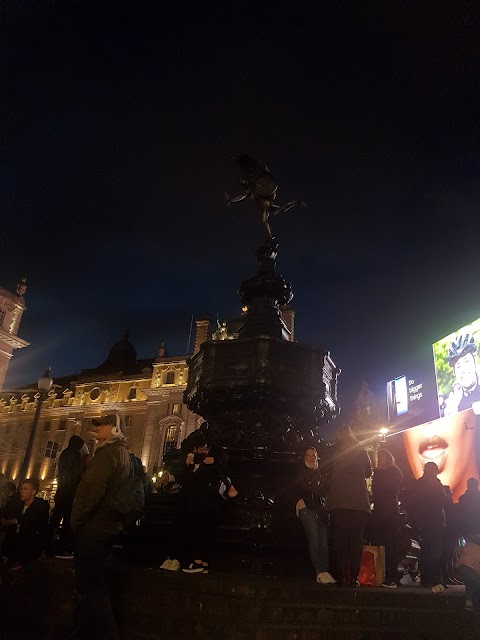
<point>263,396</point>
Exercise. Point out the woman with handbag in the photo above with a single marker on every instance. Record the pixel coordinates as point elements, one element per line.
<point>348,503</point>
<point>386,483</point>
<point>311,512</point>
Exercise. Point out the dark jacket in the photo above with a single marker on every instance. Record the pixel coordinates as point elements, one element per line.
<point>201,478</point>
<point>12,508</point>
<point>69,469</point>
<point>310,486</point>
<point>35,516</point>
<point>429,503</point>
<point>93,507</point>
<point>469,512</point>
<point>33,524</point>
<point>385,489</point>
<point>347,487</point>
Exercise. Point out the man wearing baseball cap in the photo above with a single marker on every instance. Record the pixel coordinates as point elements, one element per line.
<point>94,524</point>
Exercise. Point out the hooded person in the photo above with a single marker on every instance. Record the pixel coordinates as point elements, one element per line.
<point>430,502</point>
<point>71,466</point>
<point>469,509</point>
<point>95,522</point>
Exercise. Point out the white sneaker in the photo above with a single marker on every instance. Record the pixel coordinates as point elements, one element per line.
<point>389,585</point>
<point>325,578</point>
<point>438,588</point>
<point>193,568</point>
<point>167,565</point>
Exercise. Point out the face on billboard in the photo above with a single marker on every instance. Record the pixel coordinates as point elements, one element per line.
<point>457,369</point>
<point>465,370</point>
<point>450,443</point>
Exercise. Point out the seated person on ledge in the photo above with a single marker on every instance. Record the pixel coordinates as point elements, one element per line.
<point>31,522</point>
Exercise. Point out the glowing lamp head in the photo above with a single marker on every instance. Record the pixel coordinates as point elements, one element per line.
<point>383,434</point>
<point>45,382</point>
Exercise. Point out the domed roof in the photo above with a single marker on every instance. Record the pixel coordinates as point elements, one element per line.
<point>122,357</point>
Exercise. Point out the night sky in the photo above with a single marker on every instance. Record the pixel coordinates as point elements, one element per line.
<point>121,121</point>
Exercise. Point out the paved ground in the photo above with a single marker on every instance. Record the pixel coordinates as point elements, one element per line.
<point>232,604</point>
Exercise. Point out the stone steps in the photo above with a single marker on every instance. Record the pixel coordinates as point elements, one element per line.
<point>232,605</point>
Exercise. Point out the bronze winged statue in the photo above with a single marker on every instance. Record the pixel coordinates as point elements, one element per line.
<point>261,187</point>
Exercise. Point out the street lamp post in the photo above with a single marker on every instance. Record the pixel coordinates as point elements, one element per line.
<point>44,385</point>
<point>381,439</point>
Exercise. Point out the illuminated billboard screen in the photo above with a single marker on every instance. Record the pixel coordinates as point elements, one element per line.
<point>448,441</point>
<point>456,369</point>
<point>397,397</point>
<point>411,400</point>
<point>434,415</point>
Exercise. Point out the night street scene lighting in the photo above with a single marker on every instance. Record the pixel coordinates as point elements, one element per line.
<point>251,240</point>
<point>44,384</point>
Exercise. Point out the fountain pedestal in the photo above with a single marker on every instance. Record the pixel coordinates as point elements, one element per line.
<point>264,398</point>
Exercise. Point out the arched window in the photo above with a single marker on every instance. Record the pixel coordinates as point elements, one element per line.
<point>2,316</point>
<point>168,436</point>
<point>171,438</point>
<point>51,449</point>
<point>170,377</point>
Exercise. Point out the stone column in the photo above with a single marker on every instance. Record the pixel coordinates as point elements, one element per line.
<point>202,333</point>
<point>154,408</point>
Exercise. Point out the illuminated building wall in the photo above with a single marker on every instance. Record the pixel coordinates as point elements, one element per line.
<point>11,310</point>
<point>150,399</point>
<point>147,393</point>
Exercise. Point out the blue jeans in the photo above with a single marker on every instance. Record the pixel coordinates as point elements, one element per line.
<point>317,535</point>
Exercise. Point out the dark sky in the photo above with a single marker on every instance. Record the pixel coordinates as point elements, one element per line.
<point>121,120</point>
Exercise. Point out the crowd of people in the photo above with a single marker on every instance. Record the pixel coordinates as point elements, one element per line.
<point>93,500</point>
<point>333,503</point>
<point>339,515</point>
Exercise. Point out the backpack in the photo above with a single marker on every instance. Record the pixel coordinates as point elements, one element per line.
<point>129,501</point>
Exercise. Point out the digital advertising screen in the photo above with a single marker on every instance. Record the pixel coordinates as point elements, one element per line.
<point>411,400</point>
<point>397,398</point>
<point>456,369</point>
<point>434,416</point>
<point>450,442</point>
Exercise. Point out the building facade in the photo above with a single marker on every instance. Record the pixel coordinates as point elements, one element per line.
<point>11,310</point>
<point>149,396</point>
<point>148,393</point>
